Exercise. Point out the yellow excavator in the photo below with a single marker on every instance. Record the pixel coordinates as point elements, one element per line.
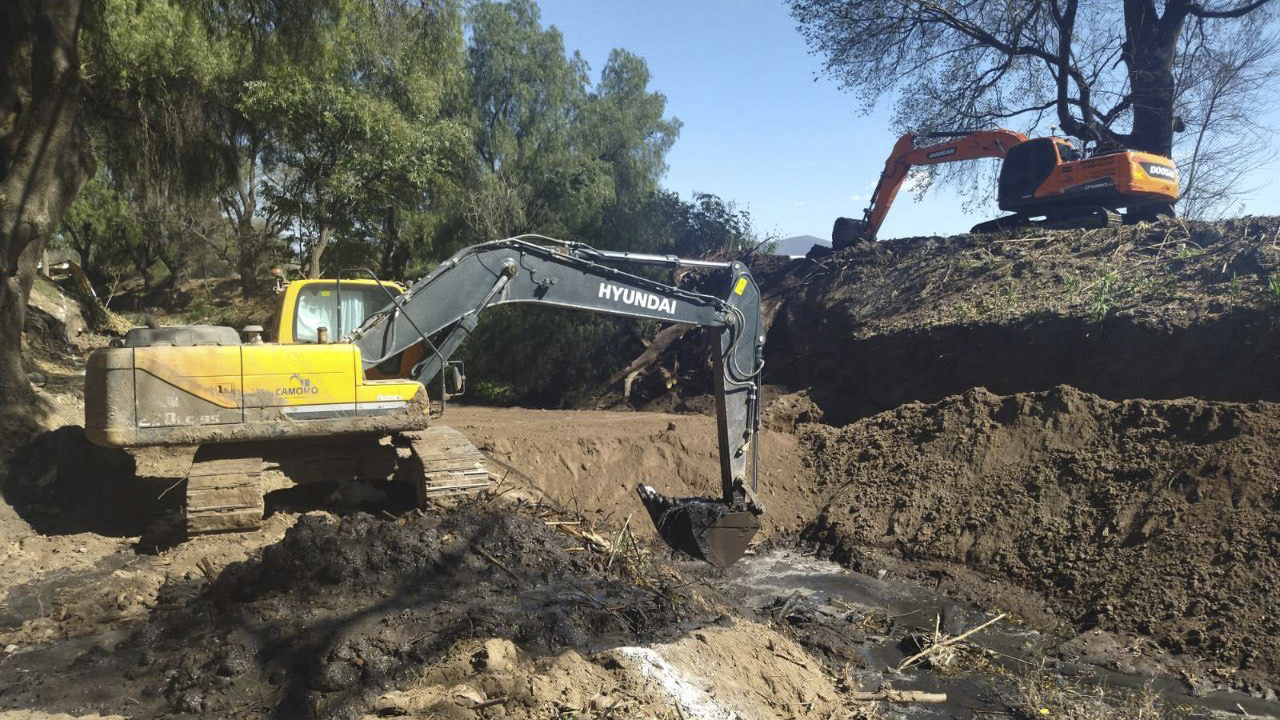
<point>343,387</point>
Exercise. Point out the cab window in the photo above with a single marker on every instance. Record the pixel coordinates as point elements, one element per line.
<point>339,307</point>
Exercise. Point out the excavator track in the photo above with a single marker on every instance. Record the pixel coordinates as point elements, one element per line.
<point>223,492</point>
<point>224,485</point>
<point>443,462</point>
<point>1085,219</point>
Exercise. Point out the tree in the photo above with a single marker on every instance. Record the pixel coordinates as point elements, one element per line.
<point>44,158</point>
<point>527,97</point>
<point>353,134</point>
<point>1115,74</point>
<point>560,156</point>
<point>624,127</point>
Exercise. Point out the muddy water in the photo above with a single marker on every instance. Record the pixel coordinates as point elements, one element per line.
<point>862,621</point>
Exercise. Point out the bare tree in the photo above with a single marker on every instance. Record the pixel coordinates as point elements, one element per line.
<point>1119,74</point>
<point>1223,77</point>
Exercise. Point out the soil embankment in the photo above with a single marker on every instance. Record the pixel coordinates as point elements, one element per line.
<point>1140,517</point>
<point>1178,309</point>
<point>590,462</point>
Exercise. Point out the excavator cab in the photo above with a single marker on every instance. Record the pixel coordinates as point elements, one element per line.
<point>1026,167</point>
<point>326,310</point>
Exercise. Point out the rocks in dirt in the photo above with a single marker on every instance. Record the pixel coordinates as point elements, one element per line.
<point>1150,517</point>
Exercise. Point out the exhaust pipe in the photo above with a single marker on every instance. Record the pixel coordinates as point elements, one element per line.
<point>703,528</point>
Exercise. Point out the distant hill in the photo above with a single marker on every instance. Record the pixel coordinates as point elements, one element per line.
<point>799,244</point>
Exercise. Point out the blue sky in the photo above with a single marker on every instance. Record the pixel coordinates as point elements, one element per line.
<point>758,129</point>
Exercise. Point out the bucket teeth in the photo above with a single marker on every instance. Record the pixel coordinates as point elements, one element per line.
<point>702,528</point>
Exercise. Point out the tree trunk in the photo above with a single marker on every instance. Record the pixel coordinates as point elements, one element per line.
<point>1152,81</point>
<point>44,158</point>
<point>248,258</point>
<point>15,288</point>
<point>1151,43</point>
<point>313,268</point>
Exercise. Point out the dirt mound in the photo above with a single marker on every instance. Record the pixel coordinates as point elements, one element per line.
<point>1155,311</point>
<point>786,412</point>
<point>337,612</point>
<point>1148,311</point>
<point>1151,517</point>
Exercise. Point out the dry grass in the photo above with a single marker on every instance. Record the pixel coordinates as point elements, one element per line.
<point>1043,695</point>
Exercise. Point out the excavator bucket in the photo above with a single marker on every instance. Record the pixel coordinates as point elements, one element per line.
<point>703,528</point>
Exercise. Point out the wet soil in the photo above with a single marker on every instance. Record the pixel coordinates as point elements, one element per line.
<point>1150,518</point>
<point>339,611</point>
<point>870,624</point>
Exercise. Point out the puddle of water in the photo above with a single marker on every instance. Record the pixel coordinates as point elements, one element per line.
<point>808,590</point>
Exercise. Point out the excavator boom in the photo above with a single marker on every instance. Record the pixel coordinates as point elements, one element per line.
<point>445,306</point>
<point>905,155</point>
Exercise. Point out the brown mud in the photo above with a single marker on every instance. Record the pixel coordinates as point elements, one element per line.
<point>337,612</point>
<point>1155,519</point>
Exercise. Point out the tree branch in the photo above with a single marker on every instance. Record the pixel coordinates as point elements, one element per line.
<point>1200,11</point>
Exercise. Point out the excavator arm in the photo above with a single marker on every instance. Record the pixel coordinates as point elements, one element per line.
<point>442,309</point>
<point>905,155</point>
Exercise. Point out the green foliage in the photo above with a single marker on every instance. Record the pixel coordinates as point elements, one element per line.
<point>1273,289</point>
<point>354,134</point>
<point>548,357</point>
<point>1103,296</point>
<point>1233,287</point>
<point>487,392</point>
<point>555,155</point>
<point>380,134</point>
<point>97,228</point>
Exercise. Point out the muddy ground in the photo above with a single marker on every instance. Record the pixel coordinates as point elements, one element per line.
<point>1150,519</point>
<point>1076,429</point>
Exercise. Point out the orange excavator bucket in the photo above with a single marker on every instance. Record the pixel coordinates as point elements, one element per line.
<point>703,528</point>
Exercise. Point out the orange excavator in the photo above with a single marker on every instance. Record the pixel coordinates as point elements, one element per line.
<point>1043,181</point>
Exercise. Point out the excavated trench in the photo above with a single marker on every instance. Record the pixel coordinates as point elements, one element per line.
<point>1234,357</point>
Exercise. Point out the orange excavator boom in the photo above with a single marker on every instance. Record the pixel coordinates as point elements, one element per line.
<point>961,146</point>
